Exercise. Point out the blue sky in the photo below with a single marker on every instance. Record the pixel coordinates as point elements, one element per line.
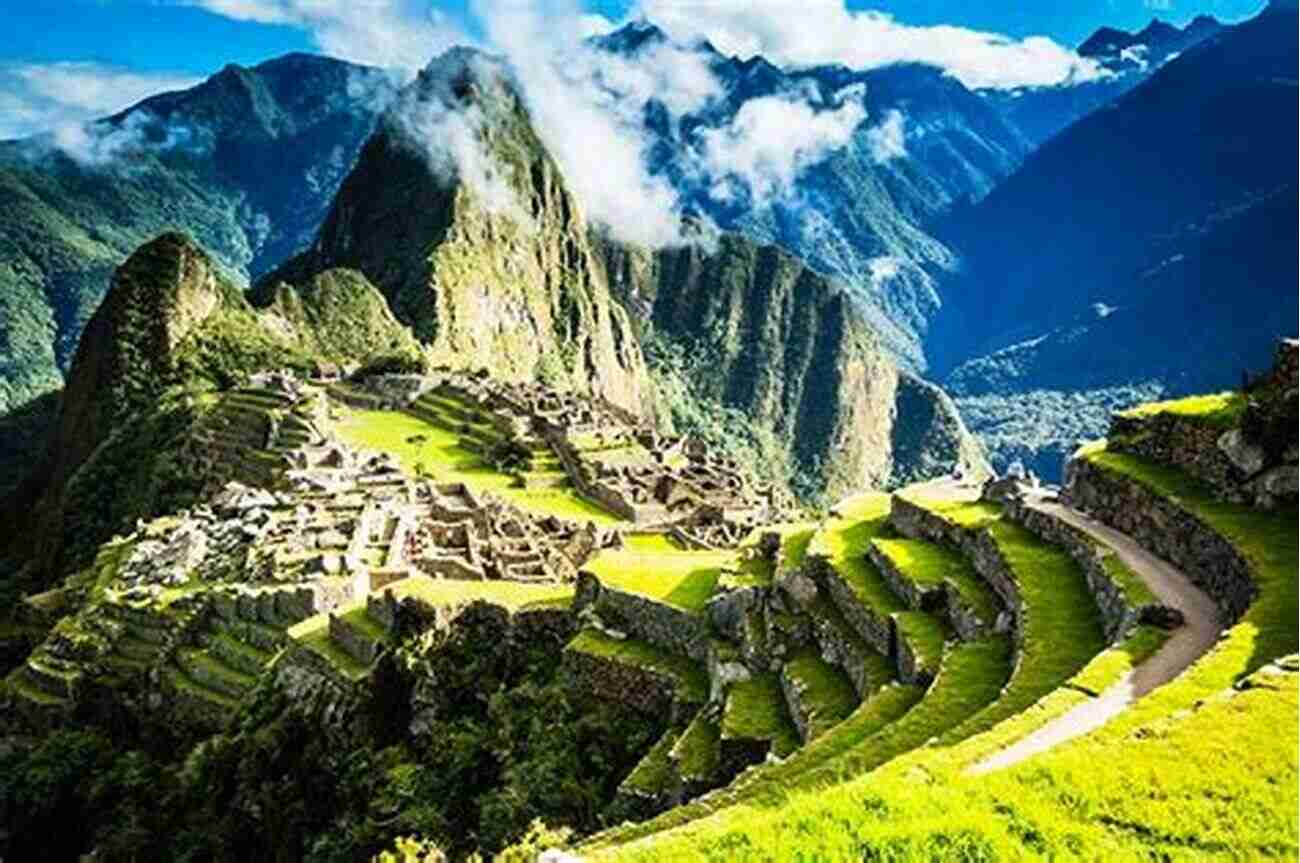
<point>67,60</point>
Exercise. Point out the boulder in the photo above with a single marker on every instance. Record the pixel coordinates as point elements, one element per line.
<point>1245,456</point>
<point>799,590</point>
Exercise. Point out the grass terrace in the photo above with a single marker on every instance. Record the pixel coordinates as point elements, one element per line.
<point>696,751</point>
<point>1221,410</point>
<point>1061,626</point>
<point>827,694</point>
<point>436,451</point>
<point>892,721</point>
<point>513,596</point>
<point>844,539</point>
<point>1161,781</point>
<point>656,567</point>
<point>755,710</point>
<point>929,565</point>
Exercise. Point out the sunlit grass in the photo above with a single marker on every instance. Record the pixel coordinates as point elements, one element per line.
<point>434,451</point>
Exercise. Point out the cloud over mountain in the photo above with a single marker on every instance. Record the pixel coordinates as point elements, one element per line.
<point>61,97</point>
<point>826,31</point>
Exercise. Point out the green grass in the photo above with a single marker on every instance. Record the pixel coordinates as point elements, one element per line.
<point>826,692</point>
<point>665,573</point>
<point>437,451</point>
<point>1061,627</point>
<point>1112,664</point>
<point>1195,770</point>
<point>692,680</point>
<point>654,771</point>
<point>925,634</point>
<point>1135,590</point>
<point>513,596</point>
<point>362,622</point>
<point>315,636</point>
<point>1221,410</point>
<point>891,722</point>
<point>696,751</point>
<point>755,710</point>
<point>929,565</point>
<point>844,541</point>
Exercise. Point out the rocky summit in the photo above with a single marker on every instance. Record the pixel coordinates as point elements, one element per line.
<point>731,437</point>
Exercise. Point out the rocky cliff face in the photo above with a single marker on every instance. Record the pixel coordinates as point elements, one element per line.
<point>786,346</point>
<point>458,215</point>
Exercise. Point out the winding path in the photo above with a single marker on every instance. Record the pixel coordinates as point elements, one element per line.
<point>1188,643</point>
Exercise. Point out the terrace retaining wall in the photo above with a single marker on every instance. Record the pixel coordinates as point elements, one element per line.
<point>1161,525</point>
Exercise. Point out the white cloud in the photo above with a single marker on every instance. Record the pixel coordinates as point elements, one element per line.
<point>66,95</point>
<point>451,136</point>
<point>770,141</point>
<point>589,109</point>
<point>887,139</point>
<point>402,34</point>
<point>825,31</point>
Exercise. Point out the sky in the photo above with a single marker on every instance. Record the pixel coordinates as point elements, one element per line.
<point>68,61</point>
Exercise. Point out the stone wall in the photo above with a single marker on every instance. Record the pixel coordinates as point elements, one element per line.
<point>662,625</point>
<point>1118,612</point>
<point>872,628</point>
<point>1254,463</point>
<point>1165,528</point>
<point>844,649</point>
<point>942,599</point>
<point>977,545</point>
<point>651,692</point>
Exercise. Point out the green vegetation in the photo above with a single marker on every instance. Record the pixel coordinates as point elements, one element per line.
<point>663,572</point>
<point>437,452</point>
<point>1161,780</point>
<point>844,540</point>
<point>513,596</point>
<point>755,710</point>
<point>1061,629</point>
<point>929,565</point>
<point>696,750</point>
<point>891,722</point>
<point>1222,410</point>
<point>654,772</point>
<point>825,691</point>
<point>924,634</point>
<point>691,679</point>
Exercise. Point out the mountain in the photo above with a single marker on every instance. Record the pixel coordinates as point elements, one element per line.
<point>247,162</point>
<point>922,143</point>
<point>172,328</point>
<point>502,272</point>
<point>1149,248</point>
<point>1154,45</point>
<point>490,271</point>
<point>1127,59</point>
<point>789,348</point>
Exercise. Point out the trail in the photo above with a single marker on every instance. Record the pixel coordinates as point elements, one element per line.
<point>1187,644</point>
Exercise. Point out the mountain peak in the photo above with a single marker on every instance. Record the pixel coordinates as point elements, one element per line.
<point>631,38</point>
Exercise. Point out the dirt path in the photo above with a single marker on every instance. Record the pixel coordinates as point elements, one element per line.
<point>1200,631</point>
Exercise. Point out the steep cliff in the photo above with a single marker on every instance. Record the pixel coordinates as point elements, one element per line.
<point>458,215</point>
<point>787,346</point>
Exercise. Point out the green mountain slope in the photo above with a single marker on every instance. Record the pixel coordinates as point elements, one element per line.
<point>246,162</point>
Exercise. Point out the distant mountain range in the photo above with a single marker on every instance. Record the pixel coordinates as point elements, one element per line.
<point>1149,248</point>
<point>247,162</point>
<point>1021,244</point>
